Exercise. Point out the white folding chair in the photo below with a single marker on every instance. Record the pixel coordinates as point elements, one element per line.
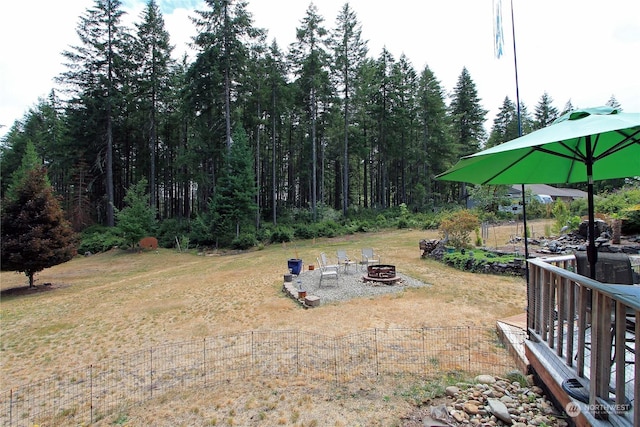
<point>327,271</point>
<point>344,260</point>
<point>369,258</point>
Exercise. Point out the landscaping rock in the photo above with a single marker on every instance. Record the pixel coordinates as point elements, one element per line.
<point>312,301</point>
<point>518,406</point>
<point>452,391</point>
<point>485,379</point>
<point>500,410</point>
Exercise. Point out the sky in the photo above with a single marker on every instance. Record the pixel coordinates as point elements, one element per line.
<point>582,51</point>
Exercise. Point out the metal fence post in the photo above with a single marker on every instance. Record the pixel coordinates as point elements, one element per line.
<point>204,360</point>
<point>151,372</point>
<point>335,360</point>
<point>375,343</point>
<point>469,348</point>
<point>91,394</point>
<point>424,352</point>
<point>253,356</point>
<point>297,352</point>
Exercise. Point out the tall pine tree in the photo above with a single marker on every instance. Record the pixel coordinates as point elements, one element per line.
<point>350,50</point>
<point>310,61</point>
<point>467,117</point>
<point>545,113</point>
<point>154,81</point>
<point>234,202</point>
<point>92,74</point>
<point>435,134</point>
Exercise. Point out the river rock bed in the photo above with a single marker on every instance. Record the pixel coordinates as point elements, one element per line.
<point>489,401</point>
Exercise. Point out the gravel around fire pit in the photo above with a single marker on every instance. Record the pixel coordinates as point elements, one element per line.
<point>350,285</point>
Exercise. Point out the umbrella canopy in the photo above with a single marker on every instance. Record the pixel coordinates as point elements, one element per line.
<point>580,146</point>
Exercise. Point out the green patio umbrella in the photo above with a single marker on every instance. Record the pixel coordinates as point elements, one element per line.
<point>581,146</point>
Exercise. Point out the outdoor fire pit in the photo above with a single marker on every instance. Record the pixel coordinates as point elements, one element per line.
<point>382,273</point>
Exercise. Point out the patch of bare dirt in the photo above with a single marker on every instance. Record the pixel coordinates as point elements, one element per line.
<point>20,291</point>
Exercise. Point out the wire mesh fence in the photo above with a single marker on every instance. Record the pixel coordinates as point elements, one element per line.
<point>89,394</point>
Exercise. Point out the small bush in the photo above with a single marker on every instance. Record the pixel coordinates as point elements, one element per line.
<point>631,222</point>
<point>244,241</point>
<point>457,227</point>
<point>305,231</point>
<point>328,229</point>
<point>363,226</point>
<point>560,212</point>
<point>282,234</point>
<point>97,239</point>
<point>403,223</point>
<point>170,229</point>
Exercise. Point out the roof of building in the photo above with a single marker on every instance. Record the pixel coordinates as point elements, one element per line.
<point>550,190</point>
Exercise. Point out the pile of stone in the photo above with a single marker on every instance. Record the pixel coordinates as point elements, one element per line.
<point>299,295</point>
<point>495,401</point>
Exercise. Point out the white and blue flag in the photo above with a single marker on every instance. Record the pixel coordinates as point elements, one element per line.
<point>498,34</point>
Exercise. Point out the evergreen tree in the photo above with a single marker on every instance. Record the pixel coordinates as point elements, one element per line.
<point>137,219</point>
<point>35,234</point>
<point>467,115</point>
<point>402,132</point>
<point>545,112</point>
<point>30,161</point>
<point>366,114</point>
<point>222,31</point>
<point>234,202</point>
<point>43,128</point>
<point>505,124</point>
<point>276,71</point>
<point>568,107</point>
<point>154,81</point>
<point>350,50</point>
<point>467,118</point>
<point>383,110</point>
<point>309,59</point>
<point>92,73</point>
<point>613,103</point>
<point>435,135</point>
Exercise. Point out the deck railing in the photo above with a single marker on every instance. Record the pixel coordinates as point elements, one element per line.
<point>590,327</point>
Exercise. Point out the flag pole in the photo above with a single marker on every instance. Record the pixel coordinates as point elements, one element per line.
<point>524,196</point>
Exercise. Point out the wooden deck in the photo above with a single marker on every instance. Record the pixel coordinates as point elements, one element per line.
<point>553,373</point>
<point>513,332</point>
<point>581,345</point>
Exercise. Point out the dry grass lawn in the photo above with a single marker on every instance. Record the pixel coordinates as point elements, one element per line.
<point>106,305</point>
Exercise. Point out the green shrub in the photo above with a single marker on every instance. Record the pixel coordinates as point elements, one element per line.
<point>282,234</point>
<point>328,229</point>
<point>614,202</point>
<point>244,241</point>
<point>200,233</point>
<point>170,229</point>
<point>305,231</point>
<point>631,222</point>
<point>403,223</point>
<point>97,239</point>
<point>457,226</point>
<point>363,226</point>
<point>560,212</point>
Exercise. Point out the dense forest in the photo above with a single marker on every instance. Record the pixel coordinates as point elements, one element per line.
<point>249,131</point>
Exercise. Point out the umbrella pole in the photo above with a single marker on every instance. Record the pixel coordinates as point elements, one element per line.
<point>592,252</point>
<point>526,237</point>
